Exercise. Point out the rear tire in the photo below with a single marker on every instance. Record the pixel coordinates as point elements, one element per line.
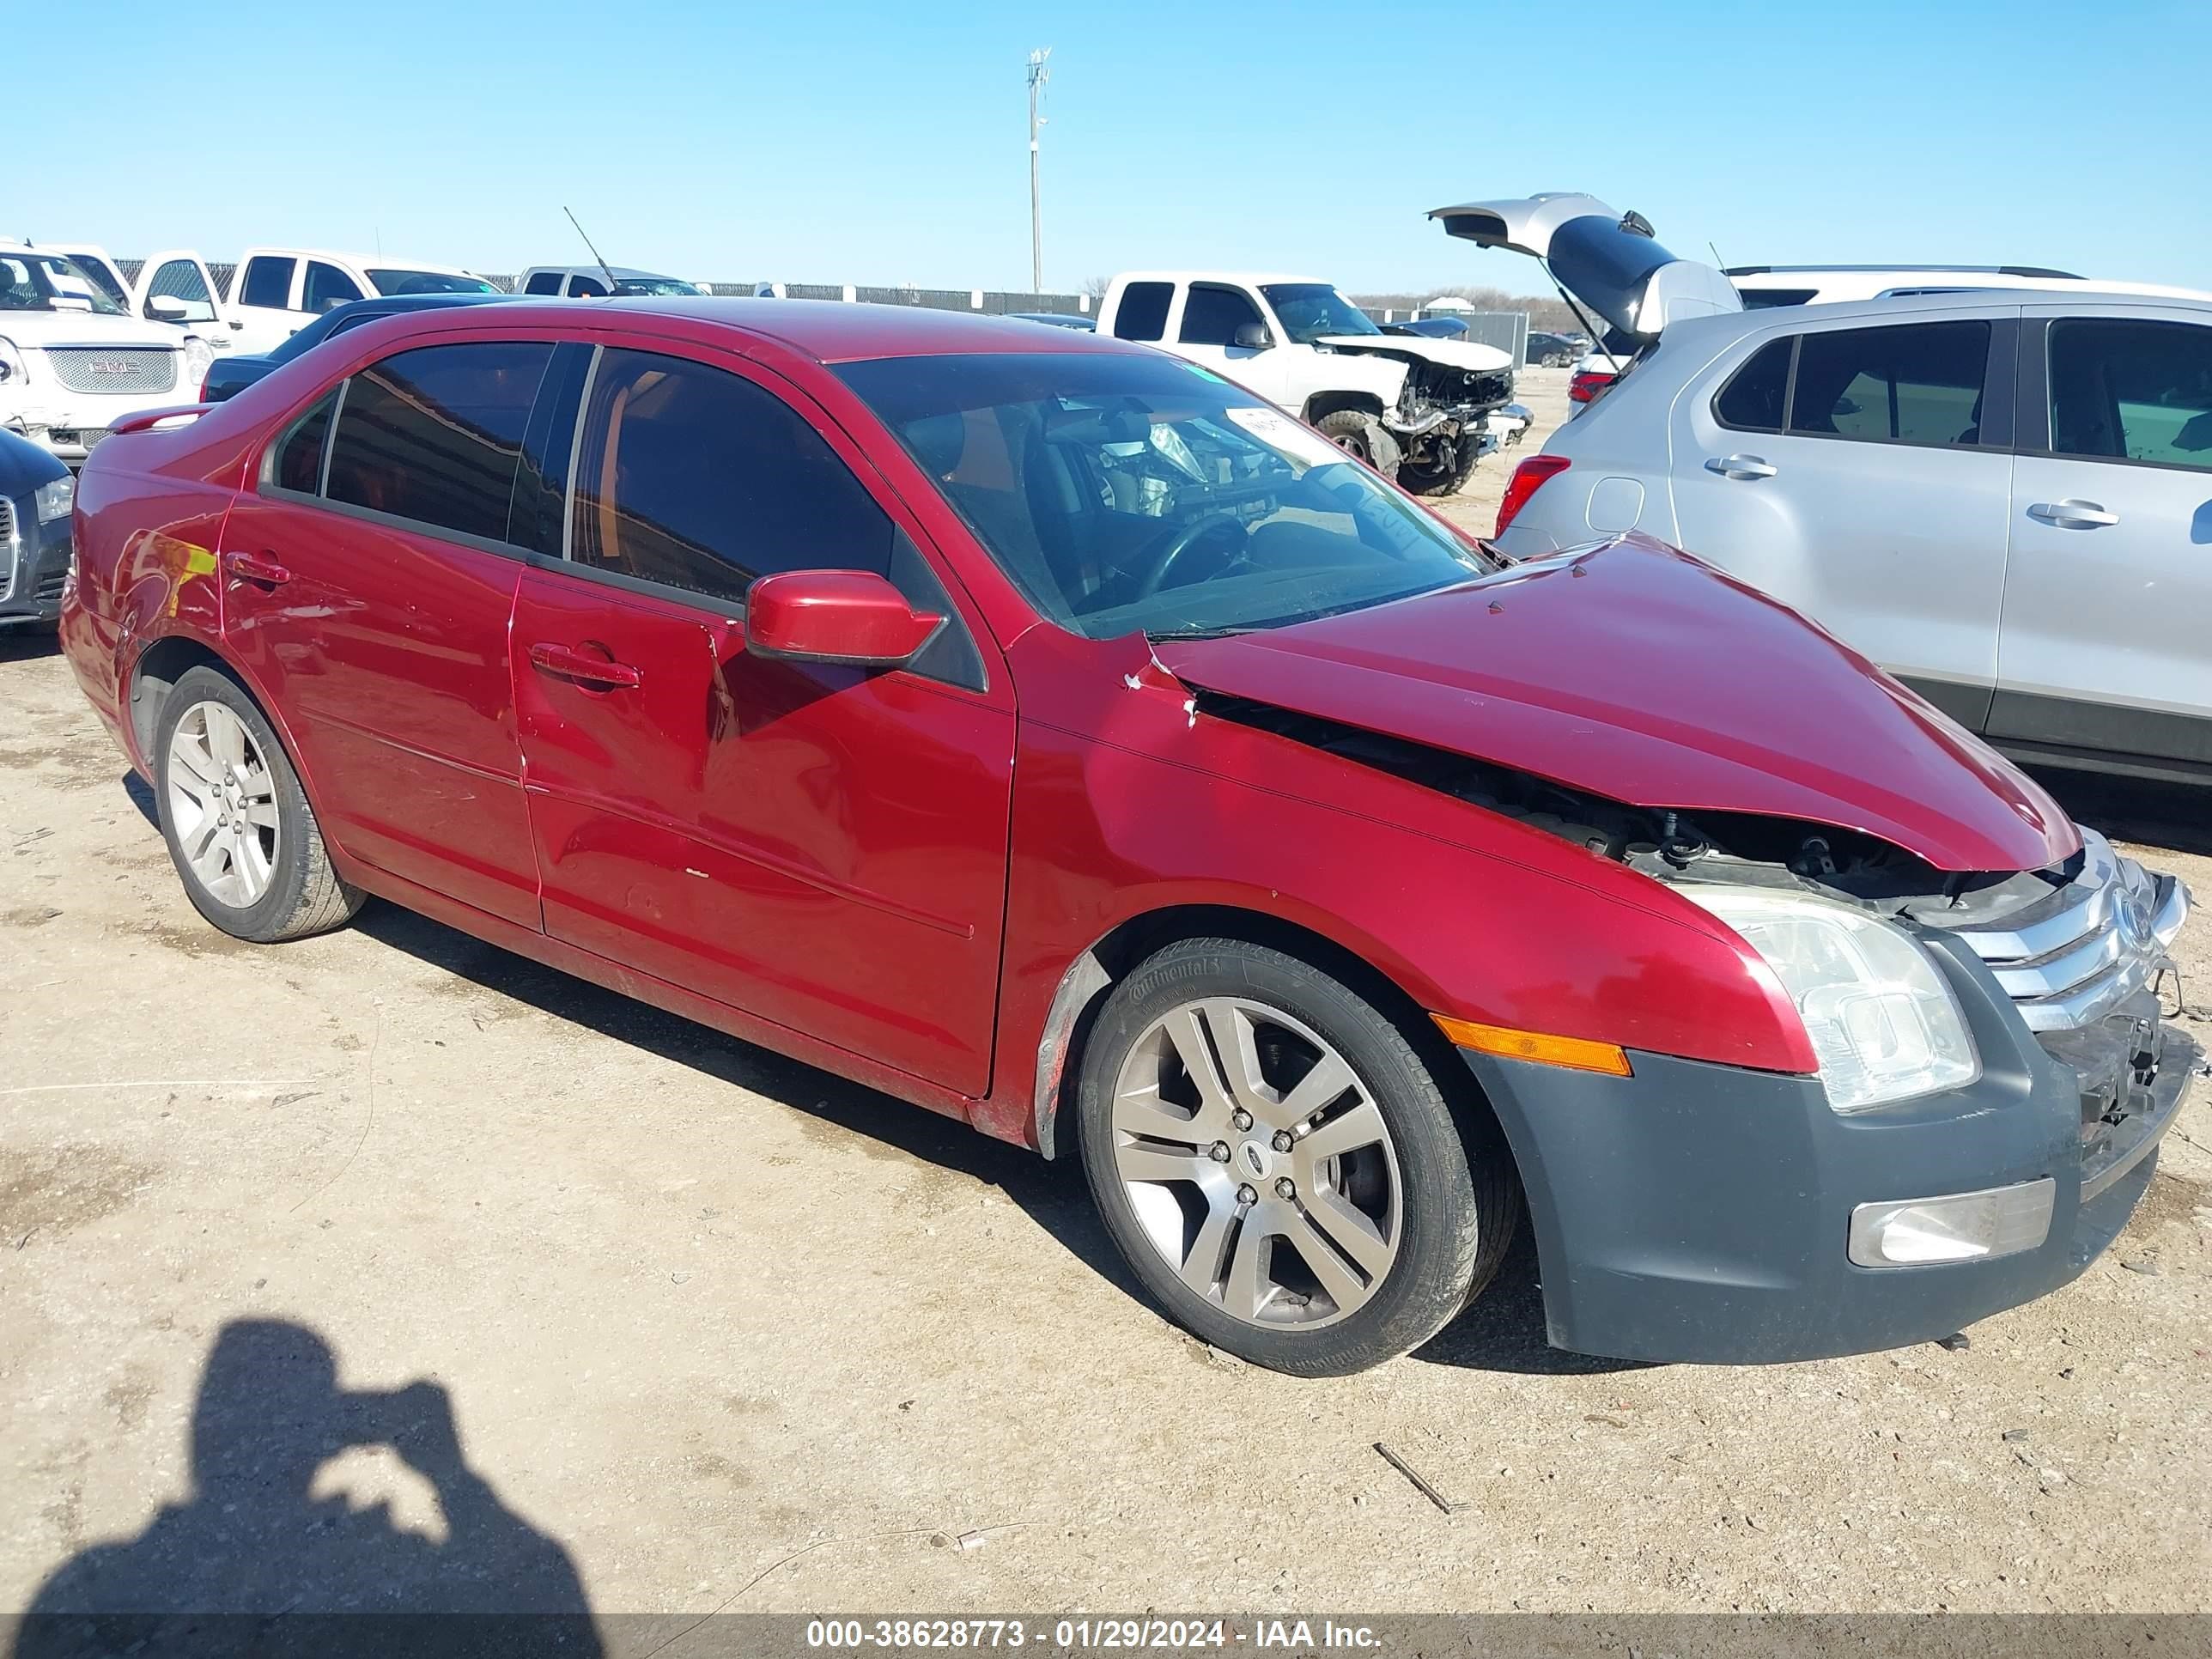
<point>238,827</point>
<point>1360,1170</point>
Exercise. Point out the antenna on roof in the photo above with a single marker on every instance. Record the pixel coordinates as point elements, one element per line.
<point>606,269</point>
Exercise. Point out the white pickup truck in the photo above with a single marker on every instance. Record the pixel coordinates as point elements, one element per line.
<point>1412,407</point>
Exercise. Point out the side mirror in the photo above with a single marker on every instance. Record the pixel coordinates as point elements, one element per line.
<point>834,616</point>
<point>1252,336</point>
<point>167,308</point>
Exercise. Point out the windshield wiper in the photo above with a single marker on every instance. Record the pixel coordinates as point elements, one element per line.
<point>1221,631</point>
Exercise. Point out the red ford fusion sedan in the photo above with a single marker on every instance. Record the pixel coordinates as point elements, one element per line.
<point>1050,733</point>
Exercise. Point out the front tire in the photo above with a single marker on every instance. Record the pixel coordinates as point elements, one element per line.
<point>1279,1165</point>
<point>238,827</point>
<point>1424,478</point>
<point>1363,437</point>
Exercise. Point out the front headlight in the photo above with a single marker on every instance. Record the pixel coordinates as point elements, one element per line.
<point>54,499</point>
<point>1883,1023</point>
<point>199,356</point>
<point>11,364</point>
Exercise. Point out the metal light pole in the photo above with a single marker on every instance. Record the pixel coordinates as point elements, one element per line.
<point>1038,75</point>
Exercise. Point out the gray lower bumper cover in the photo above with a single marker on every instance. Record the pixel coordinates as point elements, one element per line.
<point>1699,1212</point>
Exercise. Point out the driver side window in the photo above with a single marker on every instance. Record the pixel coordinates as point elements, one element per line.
<point>1212,315</point>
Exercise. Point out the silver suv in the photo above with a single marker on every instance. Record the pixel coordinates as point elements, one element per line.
<point>2002,497</point>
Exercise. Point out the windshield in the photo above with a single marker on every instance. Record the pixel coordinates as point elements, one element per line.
<point>389,283</point>
<point>1132,492</point>
<point>51,282</point>
<point>657,285</point>
<point>1310,310</point>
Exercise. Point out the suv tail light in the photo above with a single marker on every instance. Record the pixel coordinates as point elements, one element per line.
<point>1587,384</point>
<point>1527,479</point>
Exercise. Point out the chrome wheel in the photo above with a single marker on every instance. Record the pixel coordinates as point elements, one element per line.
<point>1257,1163</point>
<point>223,805</point>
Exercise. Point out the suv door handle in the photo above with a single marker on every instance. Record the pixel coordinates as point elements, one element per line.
<point>1740,466</point>
<point>2071,515</point>
<point>246,568</point>
<point>573,665</point>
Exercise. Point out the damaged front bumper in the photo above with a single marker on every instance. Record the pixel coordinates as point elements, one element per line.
<point>1705,1213</point>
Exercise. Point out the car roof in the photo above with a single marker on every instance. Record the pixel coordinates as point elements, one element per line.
<point>596,271</point>
<point>834,332</point>
<point>338,256</point>
<point>1255,278</point>
<point>1736,324</point>
<point>1905,271</point>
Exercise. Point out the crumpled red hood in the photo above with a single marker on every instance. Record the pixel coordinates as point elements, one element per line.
<point>1634,671</point>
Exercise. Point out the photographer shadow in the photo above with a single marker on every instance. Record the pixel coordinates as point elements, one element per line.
<point>253,1561</point>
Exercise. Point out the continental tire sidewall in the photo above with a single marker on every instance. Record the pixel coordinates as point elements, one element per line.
<point>1433,1274</point>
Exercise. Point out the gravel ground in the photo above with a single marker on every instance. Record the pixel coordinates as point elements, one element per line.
<point>698,1310</point>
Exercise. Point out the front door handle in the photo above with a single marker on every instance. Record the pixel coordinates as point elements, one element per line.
<point>250,567</point>
<point>1740,466</point>
<point>571,664</point>
<point>2071,515</point>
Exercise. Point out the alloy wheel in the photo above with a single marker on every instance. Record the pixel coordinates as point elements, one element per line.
<point>222,803</point>
<point>1257,1163</point>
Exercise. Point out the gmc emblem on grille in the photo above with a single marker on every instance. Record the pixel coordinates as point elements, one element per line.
<point>112,366</point>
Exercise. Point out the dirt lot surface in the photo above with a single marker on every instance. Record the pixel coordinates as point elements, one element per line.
<point>731,1332</point>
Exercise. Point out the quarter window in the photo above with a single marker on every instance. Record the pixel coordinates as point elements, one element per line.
<point>1212,315</point>
<point>1751,401</point>
<point>691,477</point>
<point>300,456</point>
<point>434,434</point>
<point>1916,383</point>
<point>327,287</point>
<point>2123,390</point>
<point>1143,312</point>
<point>267,283</point>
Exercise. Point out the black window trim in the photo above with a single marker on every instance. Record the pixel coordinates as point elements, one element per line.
<point>2033,400</point>
<point>1997,394</point>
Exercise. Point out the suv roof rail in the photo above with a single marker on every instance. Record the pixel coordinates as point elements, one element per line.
<point>1986,271</point>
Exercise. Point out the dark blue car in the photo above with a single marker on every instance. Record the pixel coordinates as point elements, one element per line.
<point>36,493</point>
<point>231,375</point>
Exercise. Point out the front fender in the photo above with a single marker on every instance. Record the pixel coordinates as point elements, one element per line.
<point>1138,804</point>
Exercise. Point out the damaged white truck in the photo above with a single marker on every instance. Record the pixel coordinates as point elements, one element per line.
<point>1414,409</point>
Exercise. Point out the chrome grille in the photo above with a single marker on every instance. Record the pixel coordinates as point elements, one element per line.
<point>10,550</point>
<point>2069,960</point>
<point>113,368</point>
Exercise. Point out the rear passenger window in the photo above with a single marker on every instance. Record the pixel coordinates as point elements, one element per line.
<point>433,434</point>
<point>1752,400</point>
<point>300,456</point>
<point>1143,312</point>
<point>2123,390</point>
<point>1916,383</point>
<point>694,477</point>
<point>543,281</point>
<point>267,283</point>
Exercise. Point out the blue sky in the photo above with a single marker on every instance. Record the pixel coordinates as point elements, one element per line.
<point>885,143</point>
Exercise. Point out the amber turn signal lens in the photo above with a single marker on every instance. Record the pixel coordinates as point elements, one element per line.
<point>1577,1053</point>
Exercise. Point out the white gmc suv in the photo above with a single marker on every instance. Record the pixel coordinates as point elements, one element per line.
<point>73,362</point>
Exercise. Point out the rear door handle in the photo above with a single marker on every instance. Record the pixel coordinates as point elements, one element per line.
<point>1740,466</point>
<point>247,567</point>
<point>2071,515</point>
<point>573,665</point>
